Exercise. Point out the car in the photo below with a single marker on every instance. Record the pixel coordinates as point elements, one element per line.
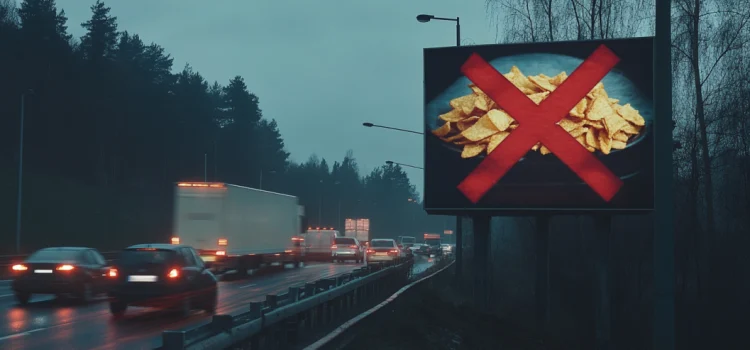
<point>77,271</point>
<point>347,248</point>
<point>164,276</point>
<point>382,250</point>
<point>406,251</point>
<point>420,249</point>
<point>447,248</point>
<point>434,245</point>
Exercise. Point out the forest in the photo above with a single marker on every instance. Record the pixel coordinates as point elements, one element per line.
<point>110,126</point>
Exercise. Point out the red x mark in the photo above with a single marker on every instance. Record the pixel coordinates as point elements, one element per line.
<point>537,123</point>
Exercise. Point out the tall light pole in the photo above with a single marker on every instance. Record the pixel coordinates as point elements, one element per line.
<point>390,162</point>
<point>20,171</point>
<point>426,18</point>
<point>371,125</point>
<point>459,241</point>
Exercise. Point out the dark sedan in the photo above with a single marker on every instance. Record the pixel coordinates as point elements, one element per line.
<point>77,271</point>
<point>164,276</point>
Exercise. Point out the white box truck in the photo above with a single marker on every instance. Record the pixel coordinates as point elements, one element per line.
<point>237,228</point>
<point>357,228</point>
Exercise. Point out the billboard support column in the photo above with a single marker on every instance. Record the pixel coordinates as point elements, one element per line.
<point>480,268</point>
<point>663,239</point>
<point>603,232</point>
<point>542,273</point>
<point>459,249</point>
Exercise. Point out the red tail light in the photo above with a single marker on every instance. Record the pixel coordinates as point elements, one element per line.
<point>370,251</point>
<point>334,246</point>
<point>65,268</point>
<point>353,246</point>
<point>19,267</point>
<point>173,273</point>
<point>221,253</point>
<point>112,273</point>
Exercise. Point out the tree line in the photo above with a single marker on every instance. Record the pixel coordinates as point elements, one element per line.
<point>106,111</point>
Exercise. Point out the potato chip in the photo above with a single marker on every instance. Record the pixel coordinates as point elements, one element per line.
<point>597,121</point>
<point>466,123</point>
<point>620,136</point>
<point>558,79</point>
<point>599,109</point>
<point>495,140</point>
<point>614,123</point>
<point>618,144</point>
<point>597,92</point>
<point>631,114</point>
<point>578,132</point>
<point>631,129</point>
<point>605,143</point>
<point>579,110</point>
<point>453,116</point>
<point>542,81</point>
<point>591,139</point>
<point>569,125</point>
<point>500,119</point>
<point>481,129</point>
<point>473,150</point>
<point>538,97</point>
<point>464,103</point>
<point>443,130</point>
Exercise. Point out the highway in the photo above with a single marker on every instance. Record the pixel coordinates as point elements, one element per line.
<point>48,323</point>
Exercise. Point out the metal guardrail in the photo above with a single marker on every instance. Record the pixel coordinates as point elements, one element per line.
<point>280,319</point>
<point>6,261</point>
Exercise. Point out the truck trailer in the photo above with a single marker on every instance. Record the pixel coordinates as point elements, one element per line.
<point>238,228</point>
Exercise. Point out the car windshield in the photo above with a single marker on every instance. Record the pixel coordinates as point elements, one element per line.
<point>382,244</point>
<point>55,255</point>
<point>145,256</point>
<point>345,241</point>
<point>432,242</point>
<point>408,240</point>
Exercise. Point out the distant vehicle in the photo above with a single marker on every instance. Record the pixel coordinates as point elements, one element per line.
<point>318,242</point>
<point>77,271</point>
<point>382,250</point>
<point>347,248</point>
<point>420,249</point>
<point>237,228</point>
<point>406,241</point>
<point>434,242</point>
<point>357,228</point>
<point>165,276</point>
<point>447,248</point>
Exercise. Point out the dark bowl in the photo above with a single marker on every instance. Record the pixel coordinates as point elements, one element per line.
<point>616,84</point>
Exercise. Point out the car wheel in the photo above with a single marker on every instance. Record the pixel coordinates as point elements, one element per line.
<point>23,297</point>
<point>186,307</point>
<point>86,294</point>
<point>211,302</point>
<point>117,308</point>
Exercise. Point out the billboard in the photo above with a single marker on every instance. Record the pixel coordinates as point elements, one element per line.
<point>542,127</point>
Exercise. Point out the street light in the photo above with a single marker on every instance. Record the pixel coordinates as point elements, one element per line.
<point>371,125</point>
<point>20,171</point>
<point>426,18</point>
<point>390,162</point>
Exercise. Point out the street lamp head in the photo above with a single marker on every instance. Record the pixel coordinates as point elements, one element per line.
<point>424,18</point>
<point>389,162</point>
<point>369,125</point>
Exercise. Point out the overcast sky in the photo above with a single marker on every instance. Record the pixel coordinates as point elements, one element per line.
<point>319,67</point>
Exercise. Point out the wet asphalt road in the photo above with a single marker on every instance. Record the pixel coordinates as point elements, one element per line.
<point>49,323</point>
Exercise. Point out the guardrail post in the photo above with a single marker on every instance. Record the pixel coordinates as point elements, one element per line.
<point>222,323</point>
<point>256,309</point>
<point>294,321</point>
<point>311,314</point>
<point>272,301</point>
<point>173,340</point>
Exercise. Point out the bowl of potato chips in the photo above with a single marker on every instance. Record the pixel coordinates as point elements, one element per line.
<point>612,117</point>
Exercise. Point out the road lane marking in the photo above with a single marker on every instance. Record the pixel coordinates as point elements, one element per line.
<point>23,334</point>
<point>6,295</point>
<point>249,285</point>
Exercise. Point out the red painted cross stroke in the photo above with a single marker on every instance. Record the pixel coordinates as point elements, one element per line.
<point>538,123</point>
